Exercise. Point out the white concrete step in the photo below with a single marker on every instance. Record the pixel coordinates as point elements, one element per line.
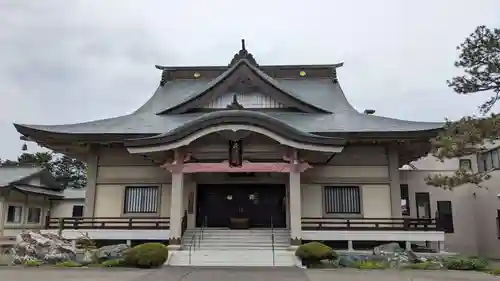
<point>223,240</point>
<point>249,240</point>
<point>235,247</point>
<point>236,240</point>
<point>225,232</point>
<point>233,258</point>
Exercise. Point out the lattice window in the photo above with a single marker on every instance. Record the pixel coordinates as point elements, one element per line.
<point>141,199</point>
<point>342,200</point>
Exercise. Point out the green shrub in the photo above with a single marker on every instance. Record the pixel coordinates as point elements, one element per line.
<point>314,252</point>
<point>371,265</point>
<point>67,264</point>
<point>31,263</point>
<point>148,255</point>
<point>466,263</point>
<point>426,265</point>
<point>114,263</point>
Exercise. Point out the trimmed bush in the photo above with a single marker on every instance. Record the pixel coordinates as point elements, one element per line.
<point>114,263</point>
<point>148,255</point>
<point>314,252</point>
<point>466,263</point>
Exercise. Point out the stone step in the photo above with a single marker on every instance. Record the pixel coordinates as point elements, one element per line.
<point>233,258</point>
<point>237,238</point>
<point>253,240</point>
<point>239,244</point>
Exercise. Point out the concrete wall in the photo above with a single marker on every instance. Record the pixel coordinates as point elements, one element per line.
<point>486,202</point>
<point>463,240</point>
<point>474,208</point>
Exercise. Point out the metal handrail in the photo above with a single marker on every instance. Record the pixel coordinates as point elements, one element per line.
<point>200,236</point>
<point>272,240</point>
<point>205,222</point>
<point>193,242</point>
<point>201,231</point>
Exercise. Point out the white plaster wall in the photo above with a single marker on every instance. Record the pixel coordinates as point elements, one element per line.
<point>376,201</point>
<point>312,200</point>
<point>109,200</point>
<point>361,155</point>
<point>64,208</point>
<point>324,171</point>
<point>132,174</point>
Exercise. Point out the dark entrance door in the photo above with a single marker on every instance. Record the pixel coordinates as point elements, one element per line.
<point>260,203</point>
<point>445,216</point>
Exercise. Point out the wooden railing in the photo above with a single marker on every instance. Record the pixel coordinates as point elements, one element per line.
<point>387,224</point>
<point>108,223</point>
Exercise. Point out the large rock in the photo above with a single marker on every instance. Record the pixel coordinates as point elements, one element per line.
<point>396,255</point>
<point>46,248</point>
<point>350,260</point>
<point>111,252</point>
<point>386,249</point>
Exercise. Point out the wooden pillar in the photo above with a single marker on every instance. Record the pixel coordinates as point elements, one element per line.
<point>90,189</point>
<point>393,157</point>
<point>295,203</point>
<point>4,197</point>
<point>177,201</point>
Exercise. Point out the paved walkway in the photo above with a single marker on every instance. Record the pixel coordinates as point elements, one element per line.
<point>394,275</point>
<point>235,274</point>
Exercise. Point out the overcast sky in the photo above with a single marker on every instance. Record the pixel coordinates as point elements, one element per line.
<point>58,57</point>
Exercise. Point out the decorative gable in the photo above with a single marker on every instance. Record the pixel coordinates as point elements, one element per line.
<point>245,81</point>
<point>248,100</point>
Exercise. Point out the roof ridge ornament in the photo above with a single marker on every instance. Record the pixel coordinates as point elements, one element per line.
<point>243,54</point>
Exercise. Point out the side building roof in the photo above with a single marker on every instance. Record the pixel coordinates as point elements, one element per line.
<point>18,178</point>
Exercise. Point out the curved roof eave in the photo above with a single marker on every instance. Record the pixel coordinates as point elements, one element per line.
<point>33,133</point>
<point>227,73</point>
<point>236,117</point>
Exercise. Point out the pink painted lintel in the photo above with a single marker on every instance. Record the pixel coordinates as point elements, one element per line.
<point>247,167</point>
